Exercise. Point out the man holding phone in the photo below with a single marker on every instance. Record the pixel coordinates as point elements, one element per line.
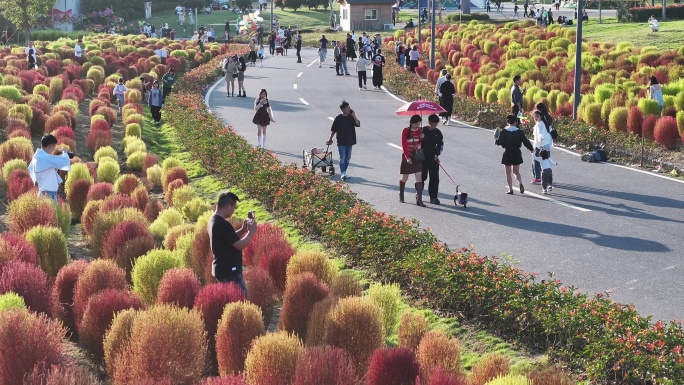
<point>344,126</point>
<point>226,243</point>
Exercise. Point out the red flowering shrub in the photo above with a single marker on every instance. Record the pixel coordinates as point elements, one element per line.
<point>549,375</point>
<point>100,191</point>
<point>166,345</point>
<point>77,197</point>
<point>303,291</point>
<point>174,173</point>
<point>274,260</point>
<point>171,187</point>
<point>62,295</point>
<point>97,103</point>
<point>14,247</point>
<point>37,126</point>
<point>117,238</point>
<point>442,377</point>
<point>29,211</point>
<point>108,113</point>
<point>273,359</point>
<point>100,125</point>
<point>261,291</point>
<point>141,198</point>
<point>64,132</point>
<point>175,233</point>
<point>240,324</point>
<point>318,320</point>
<point>29,282</point>
<point>666,133</point>
<point>101,274</point>
<point>436,350</point>
<point>202,257</point>
<point>211,300</point>
<point>229,380</point>
<point>56,120</point>
<point>98,138</point>
<point>488,368</point>
<point>149,161</point>
<point>152,209</point>
<point>392,366</point>
<point>28,340</point>
<point>266,235</point>
<point>126,183</point>
<point>19,183</point>
<point>635,120</point>
<point>16,149</point>
<point>62,375</point>
<point>88,217</point>
<point>179,287</point>
<point>98,316</point>
<point>325,365</point>
<point>116,201</point>
<point>648,126</point>
<point>412,328</point>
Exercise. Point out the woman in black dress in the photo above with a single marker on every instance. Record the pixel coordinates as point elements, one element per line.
<point>263,117</point>
<point>351,51</point>
<point>447,90</point>
<point>511,139</point>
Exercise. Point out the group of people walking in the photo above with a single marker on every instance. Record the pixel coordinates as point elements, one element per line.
<point>369,57</point>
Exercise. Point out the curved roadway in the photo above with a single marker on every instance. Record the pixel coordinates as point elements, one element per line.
<point>604,228</point>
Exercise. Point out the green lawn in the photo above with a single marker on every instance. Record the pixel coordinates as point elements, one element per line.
<point>670,36</point>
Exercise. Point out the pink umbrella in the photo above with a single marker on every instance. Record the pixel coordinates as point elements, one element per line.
<point>420,107</point>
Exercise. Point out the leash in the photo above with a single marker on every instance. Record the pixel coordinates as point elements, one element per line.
<point>445,171</point>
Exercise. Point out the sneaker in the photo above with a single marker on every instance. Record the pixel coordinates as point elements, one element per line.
<point>364,87</point>
<point>434,201</point>
<point>360,88</point>
<point>348,74</point>
<point>522,188</point>
<point>345,176</point>
<point>550,188</point>
<point>544,191</point>
<point>536,181</point>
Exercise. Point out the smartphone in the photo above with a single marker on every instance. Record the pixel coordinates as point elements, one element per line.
<point>250,215</point>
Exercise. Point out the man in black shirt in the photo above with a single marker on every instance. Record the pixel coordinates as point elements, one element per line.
<point>516,93</point>
<point>344,126</point>
<point>433,143</point>
<point>226,243</point>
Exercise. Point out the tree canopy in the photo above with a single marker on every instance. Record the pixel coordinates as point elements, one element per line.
<point>24,13</point>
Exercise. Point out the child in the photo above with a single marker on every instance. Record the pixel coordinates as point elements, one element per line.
<point>547,172</point>
<point>260,55</point>
<point>120,90</point>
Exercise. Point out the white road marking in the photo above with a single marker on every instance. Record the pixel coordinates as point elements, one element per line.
<point>294,86</point>
<point>303,101</point>
<point>211,89</point>
<point>395,146</point>
<point>312,63</point>
<point>547,198</point>
<point>331,118</point>
<point>644,172</point>
<point>299,75</point>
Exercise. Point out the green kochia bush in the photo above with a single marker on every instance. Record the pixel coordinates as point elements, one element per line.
<point>51,246</point>
<point>388,298</point>
<point>11,301</point>
<point>148,271</point>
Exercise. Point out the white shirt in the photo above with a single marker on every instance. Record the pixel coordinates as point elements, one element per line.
<point>414,54</point>
<point>353,36</point>
<point>361,64</point>
<point>78,51</point>
<point>281,33</point>
<point>439,84</point>
<point>542,137</point>
<point>43,169</point>
<point>34,51</point>
<point>545,163</point>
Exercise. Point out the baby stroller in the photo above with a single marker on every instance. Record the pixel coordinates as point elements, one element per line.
<point>318,158</point>
<point>278,47</point>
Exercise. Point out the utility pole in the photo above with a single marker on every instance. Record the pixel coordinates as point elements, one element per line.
<point>578,60</point>
<point>432,38</point>
<point>270,23</point>
<point>664,8</point>
<point>419,24</point>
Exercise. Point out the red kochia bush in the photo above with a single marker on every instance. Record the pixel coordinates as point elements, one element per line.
<point>28,281</point>
<point>100,191</point>
<point>132,249</point>
<point>173,174</point>
<point>392,366</point>
<point>108,113</point>
<point>64,132</point>
<point>101,274</point>
<point>179,287</point>
<point>211,300</point>
<point>261,291</point>
<point>201,256</point>
<point>77,196</point>
<point>171,187</point>
<point>152,210</point>
<point>98,317</point>
<point>28,340</point>
<point>149,161</point>
<point>14,247</point>
<point>19,184</point>
<point>648,127</point>
<point>100,125</point>
<point>267,234</point>
<point>117,201</point>
<point>635,120</point>
<point>325,365</point>
<point>666,133</point>
<point>62,375</point>
<point>62,296</point>
<point>274,260</point>
<point>488,368</point>
<point>56,120</point>
<point>302,293</point>
<point>240,325</point>
<point>443,377</point>
<point>229,380</point>
<point>98,138</point>
<point>118,236</point>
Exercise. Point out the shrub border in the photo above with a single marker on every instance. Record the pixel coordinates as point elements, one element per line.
<point>610,341</point>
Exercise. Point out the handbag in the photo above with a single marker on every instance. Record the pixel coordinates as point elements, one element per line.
<point>418,155</point>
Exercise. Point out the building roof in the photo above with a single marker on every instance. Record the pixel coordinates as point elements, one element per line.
<point>374,2</point>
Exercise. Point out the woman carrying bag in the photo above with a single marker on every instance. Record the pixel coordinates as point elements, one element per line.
<point>511,139</point>
<point>412,158</point>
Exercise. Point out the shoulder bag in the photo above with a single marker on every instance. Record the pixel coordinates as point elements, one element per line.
<point>418,154</point>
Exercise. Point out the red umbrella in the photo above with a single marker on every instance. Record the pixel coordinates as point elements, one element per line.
<point>420,107</point>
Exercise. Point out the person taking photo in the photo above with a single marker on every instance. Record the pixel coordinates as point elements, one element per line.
<point>44,166</point>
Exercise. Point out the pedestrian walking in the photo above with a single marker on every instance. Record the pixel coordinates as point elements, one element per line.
<point>515,11</point>
<point>44,167</point>
<point>337,54</point>
<point>655,91</point>
<point>547,173</point>
<point>448,91</point>
<point>378,64</point>
<point>241,67</point>
<point>351,50</point>
<point>119,92</point>
<point>78,52</point>
<point>31,58</point>
<point>263,117</point>
<point>511,139</point>
<point>252,51</point>
<point>227,243</point>
<point>231,72</point>
<point>272,43</point>
<point>322,50</point>
<point>433,145</point>
<point>155,102</point>
<point>361,66</point>
<point>344,127</point>
<point>489,6</point>
<point>542,141</point>
<point>343,57</point>
<point>412,158</point>
<point>167,82</point>
<point>525,6</point>
<point>401,57</point>
<point>298,47</point>
<point>516,93</point>
<point>414,55</point>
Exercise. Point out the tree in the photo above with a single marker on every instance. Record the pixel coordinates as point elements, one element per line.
<point>294,4</point>
<point>243,4</point>
<point>24,13</point>
<point>281,4</point>
<point>195,4</point>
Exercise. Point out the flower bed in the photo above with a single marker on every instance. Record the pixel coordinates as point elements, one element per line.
<point>608,340</point>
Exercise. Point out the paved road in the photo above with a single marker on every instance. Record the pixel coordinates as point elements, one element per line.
<point>604,228</point>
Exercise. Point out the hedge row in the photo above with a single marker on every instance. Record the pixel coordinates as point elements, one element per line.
<point>612,342</point>
<point>641,14</point>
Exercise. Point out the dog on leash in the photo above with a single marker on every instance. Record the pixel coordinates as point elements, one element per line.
<point>460,198</point>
